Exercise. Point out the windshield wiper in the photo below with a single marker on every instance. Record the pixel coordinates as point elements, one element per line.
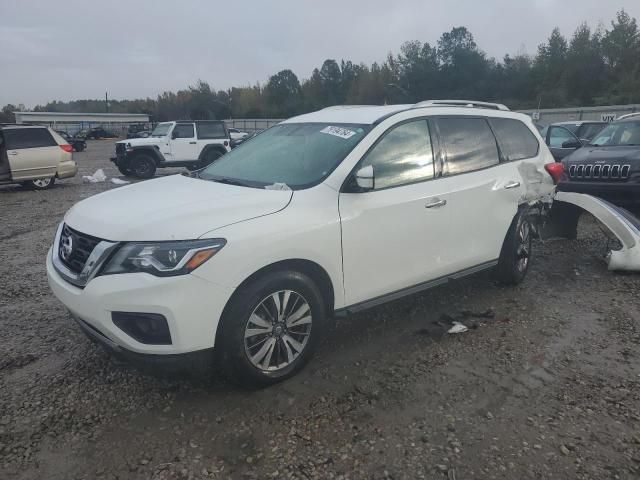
<point>230,181</point>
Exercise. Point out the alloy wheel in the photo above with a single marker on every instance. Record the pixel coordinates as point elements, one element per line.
<point>278,330</point>
<point>42,182</point>
<point>524,246</point>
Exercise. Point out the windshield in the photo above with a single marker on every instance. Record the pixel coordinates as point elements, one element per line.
<point>297,155</point>
<point>161,129</point>
<point>619,134</point>
<point>572,127</point>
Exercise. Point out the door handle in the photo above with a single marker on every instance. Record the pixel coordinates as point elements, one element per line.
<point>512,184</point>
<point>192,143</point>
<point>436,204</point>
<point>12,153</point>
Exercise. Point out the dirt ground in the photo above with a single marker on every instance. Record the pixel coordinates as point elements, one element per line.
<point>545,384</point>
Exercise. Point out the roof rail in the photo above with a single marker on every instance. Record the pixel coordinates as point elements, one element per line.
<point>345,107</point>
<point>628,115</point>
<point>460,103</point>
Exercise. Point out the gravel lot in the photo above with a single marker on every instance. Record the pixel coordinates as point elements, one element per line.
<point>546,383</point>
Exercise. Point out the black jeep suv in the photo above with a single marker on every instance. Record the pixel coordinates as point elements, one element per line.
<point>609,166</point>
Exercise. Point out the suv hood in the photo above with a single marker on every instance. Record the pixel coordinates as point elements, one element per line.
<point>171,208</point>
<point>604,154</point>
<point>139,142</point>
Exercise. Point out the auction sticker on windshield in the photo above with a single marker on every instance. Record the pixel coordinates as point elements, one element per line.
<point>338,132</point>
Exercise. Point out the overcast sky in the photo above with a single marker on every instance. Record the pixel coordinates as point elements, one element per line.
<point>64,49</point>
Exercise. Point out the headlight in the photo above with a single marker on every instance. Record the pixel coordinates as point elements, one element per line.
<point>163,259</point>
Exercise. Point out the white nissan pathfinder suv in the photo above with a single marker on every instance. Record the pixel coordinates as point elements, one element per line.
<point>326,213</point>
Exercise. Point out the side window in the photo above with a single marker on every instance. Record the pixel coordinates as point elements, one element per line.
<point>210,130</point>
<point>515,139</point>
<point>183,130</point>
<point>404,155</point>
<point>469,144</point>
<point>559,135</point>
<point>18,138</point>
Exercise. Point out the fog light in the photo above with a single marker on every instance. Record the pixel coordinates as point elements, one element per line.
<point>147,328</point>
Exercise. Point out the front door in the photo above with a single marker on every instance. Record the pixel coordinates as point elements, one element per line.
<point>394,236</point>
<point>561,141</point>
<point>183,143</point>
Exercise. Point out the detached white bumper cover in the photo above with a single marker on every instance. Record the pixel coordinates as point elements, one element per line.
<point>622,224</point>
<point>191,305</point>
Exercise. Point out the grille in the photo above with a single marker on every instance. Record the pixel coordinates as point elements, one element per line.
<point>121,148</point>
<point>81,247</point>
<point>599,172</point>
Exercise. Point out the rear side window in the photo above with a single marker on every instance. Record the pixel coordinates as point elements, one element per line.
<point>210,130</point>
<point>404,155</point>
<point>18,138</point>
<point>515,139</point>
<point>469,144</point>
<point>183,130</point>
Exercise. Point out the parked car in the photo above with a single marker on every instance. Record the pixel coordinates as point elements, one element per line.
<point>78,144</point>
<point>236,134</point>
<point>609,166</point>
<point>240,141</point>
<point>34,156</point>
<point>97,133</point>
<point>324,214</point>
<point>138,131</point>
<point>583,129</point>
<point>173,144</point>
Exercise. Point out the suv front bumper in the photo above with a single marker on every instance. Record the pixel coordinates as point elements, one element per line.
<point>618,193</point>
<point>191,305</point>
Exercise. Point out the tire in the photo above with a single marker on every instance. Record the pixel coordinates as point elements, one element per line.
<point>143,166</point>
<point>247,361</point>
<point>124,170</point>
<point>40,183</point>
<point>515,256</point>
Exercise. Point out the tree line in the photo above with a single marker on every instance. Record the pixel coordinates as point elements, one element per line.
<point>594,67</point>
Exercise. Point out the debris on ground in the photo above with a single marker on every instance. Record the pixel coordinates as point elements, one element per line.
<point>119,181</point>
<point>458,328</point>
<point>97,177</point>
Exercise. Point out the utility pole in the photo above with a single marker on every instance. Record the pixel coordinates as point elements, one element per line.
<point>106,101</point>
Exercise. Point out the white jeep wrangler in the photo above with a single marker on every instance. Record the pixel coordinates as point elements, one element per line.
<point>173,144</point>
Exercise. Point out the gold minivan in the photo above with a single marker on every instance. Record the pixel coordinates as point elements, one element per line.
<point>34,156</point>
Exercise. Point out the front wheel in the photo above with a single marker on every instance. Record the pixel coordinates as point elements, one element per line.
<point>515,256</point>
<point>124,170</point>
<point>143,166</point>
<point>40,183</point>
<point>270,329</point>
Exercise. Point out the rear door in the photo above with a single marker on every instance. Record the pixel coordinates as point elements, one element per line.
<point>183,143</point>
<point>32,153</point>
<point>561,141</point>
<point>483,192</point>
<point>210,133</point>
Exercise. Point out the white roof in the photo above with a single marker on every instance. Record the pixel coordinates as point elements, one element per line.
<point>369,114</point>
<point>363,114</point>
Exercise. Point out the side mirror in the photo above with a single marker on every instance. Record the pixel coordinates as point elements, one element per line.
<point>365,178</point>
<point>574,143</point>
<point>174,134</point>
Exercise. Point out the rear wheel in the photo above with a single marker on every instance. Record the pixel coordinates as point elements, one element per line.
<point>40,183</point>
<point>210,157</point>
<point>270,329</point>
<point>515,256</point>
<point>143,166</point>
